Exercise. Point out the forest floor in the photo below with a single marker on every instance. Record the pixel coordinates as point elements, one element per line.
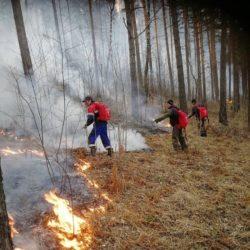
<point>169,200</point>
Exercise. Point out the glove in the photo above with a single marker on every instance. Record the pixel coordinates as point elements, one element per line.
<point>156,121</point>
<point>85,126</point>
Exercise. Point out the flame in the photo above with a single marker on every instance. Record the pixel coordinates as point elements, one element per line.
<point>7,151</point>
<point>74,232</point>
<point>82,165</point>
<point>12,227</point>
<point>67,224</point>
<point>166,124</point>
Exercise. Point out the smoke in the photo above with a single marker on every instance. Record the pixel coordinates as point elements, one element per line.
<point>45,109</point>
<point>48,104</point>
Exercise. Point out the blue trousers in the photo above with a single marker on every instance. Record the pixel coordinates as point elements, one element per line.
<point>100,128</point>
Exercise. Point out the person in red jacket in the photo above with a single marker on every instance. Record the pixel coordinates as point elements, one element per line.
<point>99,114</point>
<point>201,115</point>
<point>177,134</point>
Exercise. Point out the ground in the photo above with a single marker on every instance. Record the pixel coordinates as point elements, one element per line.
<point>167,200</point>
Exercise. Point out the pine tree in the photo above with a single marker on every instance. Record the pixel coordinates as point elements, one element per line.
<point>181,83</point>
<point>223,88</point>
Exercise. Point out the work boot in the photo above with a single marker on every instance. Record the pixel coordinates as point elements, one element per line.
<point>93,151</point>
<point>110,152</point>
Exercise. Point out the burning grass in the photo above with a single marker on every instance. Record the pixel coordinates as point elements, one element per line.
<point>67,226</point>
<point>161,199</point>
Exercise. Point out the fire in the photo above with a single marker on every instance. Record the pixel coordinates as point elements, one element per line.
<point>82,165</point>
<point>12,227</point>
<point>166,124</point>
<point>7,151</point>
<point>73,231</point>
<point>67,225</point>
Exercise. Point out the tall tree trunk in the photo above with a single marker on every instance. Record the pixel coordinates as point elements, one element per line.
<point>229,60</point>
<point>129,7</point>
<point>223,88</point>
<point>157,49</point>
<point>244,76</point>
<point>148,63</point>
<point>94,46</point>
<point>248,85</point>
<point>236,88</point>
<point>182,92</point>
<point>22,38</point>
<point>111,17</point>
<point>214,61</point>
<point>187,49</point>
<point>167,47</point>
<point>197,31</point>
<point>143,88</point>
<point>204,87</point>
<point>211,63</point>
<point>5,232</point>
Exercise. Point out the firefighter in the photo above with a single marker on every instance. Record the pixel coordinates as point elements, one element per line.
<point>201,115</point>
<point>99,114</point>
<point>177,133</point>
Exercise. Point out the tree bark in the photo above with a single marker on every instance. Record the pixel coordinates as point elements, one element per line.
<point>197,31</point>
<point>187,49</point>
<point>148,63</point>
<point>22,38</point>
<point>204,87</point>
<point>143,88</point>
<point>236,88</point>
<point>229,60</point>
<point>157,49</point>
<point>223,88</point>
<point>214,61</point>
<point>134,88</point>
<point>248,85</point>
<point>5,232</point>
<point>244,76</point>
<point>211,65</point>
<point>181,83</point>
<point>167,47</point>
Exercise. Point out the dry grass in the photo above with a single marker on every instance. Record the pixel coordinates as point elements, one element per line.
<point>167,200</point>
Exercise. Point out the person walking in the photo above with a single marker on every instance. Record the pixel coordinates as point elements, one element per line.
<point>98,114</point>
<point>201,115</point>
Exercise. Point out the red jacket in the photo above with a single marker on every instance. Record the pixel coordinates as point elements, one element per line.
<point>98,112</point>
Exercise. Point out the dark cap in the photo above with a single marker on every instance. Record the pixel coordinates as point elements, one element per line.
<point>88,98</point>
<point>170,101</point>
